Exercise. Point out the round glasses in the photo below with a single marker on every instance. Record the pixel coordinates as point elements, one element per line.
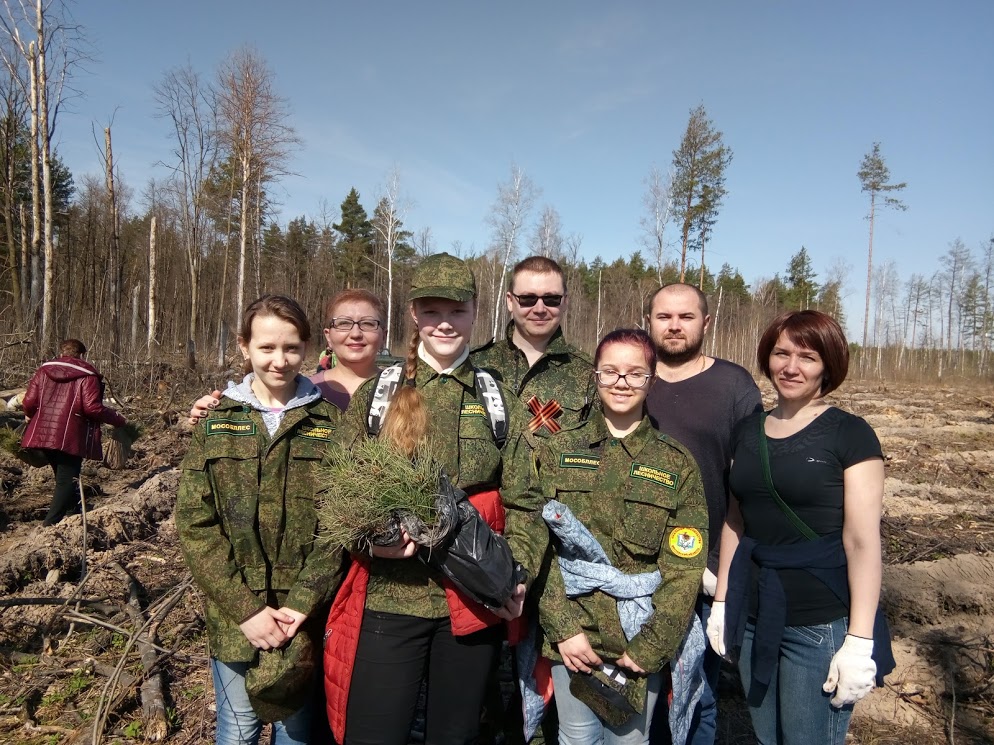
<point>347,324</point>
<point>607,378</point>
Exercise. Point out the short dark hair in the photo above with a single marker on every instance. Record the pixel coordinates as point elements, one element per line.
<point>702,299</point>
<point>633,337</point>
<point>538,265</point>
<point>814,330</point>
<point>282,307</point>
<point>72,348</point>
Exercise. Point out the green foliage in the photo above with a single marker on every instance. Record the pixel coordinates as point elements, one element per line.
<point>874,178</point>
<point>801,289</point>
<point>698,180</point>
<point>79,681</point>
<point>371,482</point>
<point>356,233</point>
<point>733,287</point>
<point>134,729</point>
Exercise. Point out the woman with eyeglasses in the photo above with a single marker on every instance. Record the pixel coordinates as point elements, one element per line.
<point>639,494</point>
<point>354,334</point>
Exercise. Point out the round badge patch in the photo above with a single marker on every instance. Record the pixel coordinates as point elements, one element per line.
<point>686,542</point>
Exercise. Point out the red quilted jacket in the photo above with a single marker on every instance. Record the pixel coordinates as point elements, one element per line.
<point>345,619</point>
<point>65,403</point>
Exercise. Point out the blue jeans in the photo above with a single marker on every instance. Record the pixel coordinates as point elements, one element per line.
<point>237,723</point>
<point>795,710</point>
<point>578,725</point>
<point>705,722</point>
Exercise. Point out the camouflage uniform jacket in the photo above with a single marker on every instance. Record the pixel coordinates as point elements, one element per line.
<point>563,374</point>
<point>458,424</point>
<point>641,497</point>
<point>246,518</point>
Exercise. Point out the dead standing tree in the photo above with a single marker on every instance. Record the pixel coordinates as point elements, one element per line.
<point>50,56</point>
<point>507,219</point>
<point>256,132</point>
<point>191,107</point>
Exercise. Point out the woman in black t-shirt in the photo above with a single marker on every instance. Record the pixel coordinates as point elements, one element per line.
<point>800,562</point>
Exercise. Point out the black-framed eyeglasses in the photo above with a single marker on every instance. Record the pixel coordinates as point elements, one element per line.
<point>607,378</point>
<point>347,324</point>
<point>530,301</point>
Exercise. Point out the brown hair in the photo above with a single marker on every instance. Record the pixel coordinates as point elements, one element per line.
<point>280,306</point>
<point>633,337</point>
<point>355,296</point>
<point>538,265</point>
<point>406,421</point>
<point>702,299</point>
<point>813,330</point>
<point>72,348</point>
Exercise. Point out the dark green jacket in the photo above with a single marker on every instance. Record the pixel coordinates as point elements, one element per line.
<point>246,518</point>
<point>563,373</point>
<point>641,497</point>
<point>458,425</point>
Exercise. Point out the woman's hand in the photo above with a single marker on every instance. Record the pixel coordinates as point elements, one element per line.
<point>404,548</point>
<point>514,605</point>
<point>629,664</point>
<point>203,407</point>
<point>577,654</point>
<point>264,630</point>
<point>291,629</point>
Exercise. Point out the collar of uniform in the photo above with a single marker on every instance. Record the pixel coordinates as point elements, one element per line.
<point>448,371</point>
<point>465,373</point>
<point>633,443</point>
<point>558,347</point>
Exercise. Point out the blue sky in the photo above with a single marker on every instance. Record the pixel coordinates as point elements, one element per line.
<point>585,97</point>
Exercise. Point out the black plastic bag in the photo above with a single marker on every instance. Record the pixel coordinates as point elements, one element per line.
<point>477,560</point>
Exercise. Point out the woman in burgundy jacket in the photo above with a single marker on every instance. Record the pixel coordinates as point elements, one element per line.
<point>65,403</point>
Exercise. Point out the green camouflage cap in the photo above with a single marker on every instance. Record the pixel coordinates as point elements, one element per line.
<point>445,276</point>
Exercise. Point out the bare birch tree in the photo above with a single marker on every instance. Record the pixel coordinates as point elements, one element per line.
<point>548,237</point>
<point>190,105</point>
<point>51,54</point>
<point>387,223</point>
<point>658,201</point>
<point>256,131</point>
<point>515,199</point>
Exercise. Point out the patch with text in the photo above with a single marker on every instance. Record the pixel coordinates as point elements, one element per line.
<point>686,542</point>
<point>237,428</point>
<point>579,460</point>
<point>316,432</point>
<point>473,408</point>
<point>655,475</point>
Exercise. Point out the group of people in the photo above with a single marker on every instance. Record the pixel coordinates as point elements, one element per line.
<point>654,448</point>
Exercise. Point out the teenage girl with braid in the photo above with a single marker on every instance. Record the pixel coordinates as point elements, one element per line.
<point>396,622</point>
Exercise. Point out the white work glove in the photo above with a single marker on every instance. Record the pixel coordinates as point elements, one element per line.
<point>852,672</point>
<point>709,583</point>
<point>716,627</point>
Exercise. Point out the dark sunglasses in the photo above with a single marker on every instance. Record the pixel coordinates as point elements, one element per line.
<point>530,301</point>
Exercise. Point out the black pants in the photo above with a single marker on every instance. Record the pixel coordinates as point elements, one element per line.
<point>395,654</point>
<point>66,499</point>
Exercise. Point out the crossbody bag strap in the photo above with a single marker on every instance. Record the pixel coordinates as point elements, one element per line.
<point>764,456</point>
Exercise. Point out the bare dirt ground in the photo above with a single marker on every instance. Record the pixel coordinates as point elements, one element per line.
<point>87,646</point>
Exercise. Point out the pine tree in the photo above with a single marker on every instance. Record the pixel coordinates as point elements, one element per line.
<point>357,240</point>
<point>698,182</point>
<point>802,290</point>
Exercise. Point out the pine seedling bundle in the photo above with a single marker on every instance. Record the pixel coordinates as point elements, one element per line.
<point>372,490</point>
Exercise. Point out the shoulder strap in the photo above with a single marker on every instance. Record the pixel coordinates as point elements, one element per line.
<point>486,388</point>
<point>493,401</point>
<point>764,455</point>
<point>379,398</point>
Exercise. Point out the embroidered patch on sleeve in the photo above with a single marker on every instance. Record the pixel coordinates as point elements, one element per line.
<point>686,542</point>
<point>236,428</point>
<point>473,408</point>
<point>655,475</point>
<point>316,432</point>
<point>579,460</point>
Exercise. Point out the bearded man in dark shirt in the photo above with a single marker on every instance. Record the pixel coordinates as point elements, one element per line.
<point>697,400</point>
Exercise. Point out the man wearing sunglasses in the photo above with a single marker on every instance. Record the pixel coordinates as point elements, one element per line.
<point>550,376</point>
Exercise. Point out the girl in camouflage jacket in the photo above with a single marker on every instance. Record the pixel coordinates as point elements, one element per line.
<point>247,525</point>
